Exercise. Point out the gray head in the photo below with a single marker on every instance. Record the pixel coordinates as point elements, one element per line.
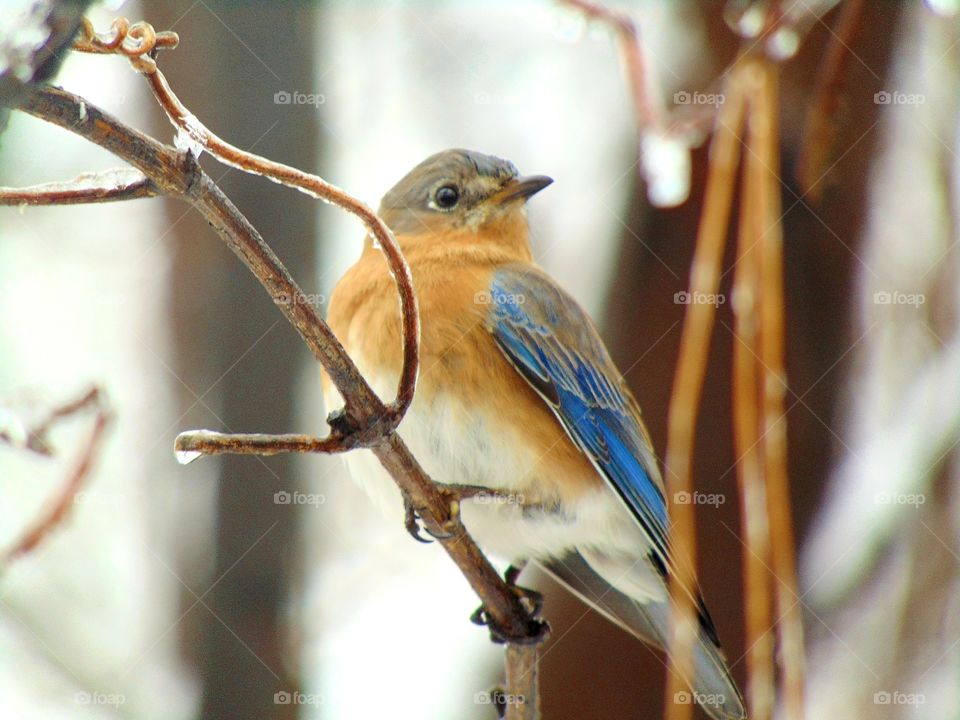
<point>455,189</point>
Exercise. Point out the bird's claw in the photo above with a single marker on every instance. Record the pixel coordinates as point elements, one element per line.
<point>532,602</point>
<point>412,521</point>
<point>531,599</point>
<point>537,630</point>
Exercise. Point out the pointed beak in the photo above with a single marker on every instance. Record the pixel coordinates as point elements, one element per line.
<point>522,188</point>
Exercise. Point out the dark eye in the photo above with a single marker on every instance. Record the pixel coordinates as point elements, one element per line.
<point>446,197</point>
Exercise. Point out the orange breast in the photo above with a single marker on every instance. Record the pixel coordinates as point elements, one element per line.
<point>458,356</point>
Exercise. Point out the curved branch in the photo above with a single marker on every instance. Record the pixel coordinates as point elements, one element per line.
<point>319,188</point>
<point>36,440</point>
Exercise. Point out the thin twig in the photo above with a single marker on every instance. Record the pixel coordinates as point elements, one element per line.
<point>59,510</point>
<point>790,628</point>
<point>97,187</point>
<point>35,437</point>
<point>820,127</point>
<point>688,384</point>
<point>206,442</point>
<point>648,105</point>
<point>747,439</point>
<point>315,186</point>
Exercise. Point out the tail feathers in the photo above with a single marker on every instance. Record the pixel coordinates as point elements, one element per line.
<point>713,688</point>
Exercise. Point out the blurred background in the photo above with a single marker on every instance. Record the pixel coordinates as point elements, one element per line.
<point>270,588</point>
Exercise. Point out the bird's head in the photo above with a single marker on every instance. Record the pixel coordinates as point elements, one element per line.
<point>460,191</point>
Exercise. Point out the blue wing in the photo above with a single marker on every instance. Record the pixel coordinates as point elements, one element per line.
<point>555,346</point>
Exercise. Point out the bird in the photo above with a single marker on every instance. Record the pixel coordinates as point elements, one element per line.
<point>517,396</point>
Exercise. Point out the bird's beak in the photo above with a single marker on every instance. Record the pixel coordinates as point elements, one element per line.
<point>521,188</point>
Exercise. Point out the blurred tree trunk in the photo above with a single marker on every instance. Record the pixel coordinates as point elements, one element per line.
<point>235,351</point>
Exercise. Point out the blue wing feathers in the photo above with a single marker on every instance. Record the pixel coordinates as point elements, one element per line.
<point>552,342</point>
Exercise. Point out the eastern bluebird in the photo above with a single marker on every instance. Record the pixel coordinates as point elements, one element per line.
<point>517,393</point>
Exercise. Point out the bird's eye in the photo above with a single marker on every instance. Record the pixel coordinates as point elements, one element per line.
<point>446,197</point>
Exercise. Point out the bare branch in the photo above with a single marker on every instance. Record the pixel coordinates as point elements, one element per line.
<point>522,698</point>
<point>188,124</point>
<point>649,106</point>
<point>747,438</point>
<point>190,445</point>
<point>96,187</point>
<point>772,349</point>
<point>820,129</point>
<point>688,381</point>
<point>37,441</point>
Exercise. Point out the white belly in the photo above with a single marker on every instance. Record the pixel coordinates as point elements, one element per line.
<point>461,445</point>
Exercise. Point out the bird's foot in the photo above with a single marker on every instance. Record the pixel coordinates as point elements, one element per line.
<point>531,599</point>
<point>413,525</point>
<point>532,603</point>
